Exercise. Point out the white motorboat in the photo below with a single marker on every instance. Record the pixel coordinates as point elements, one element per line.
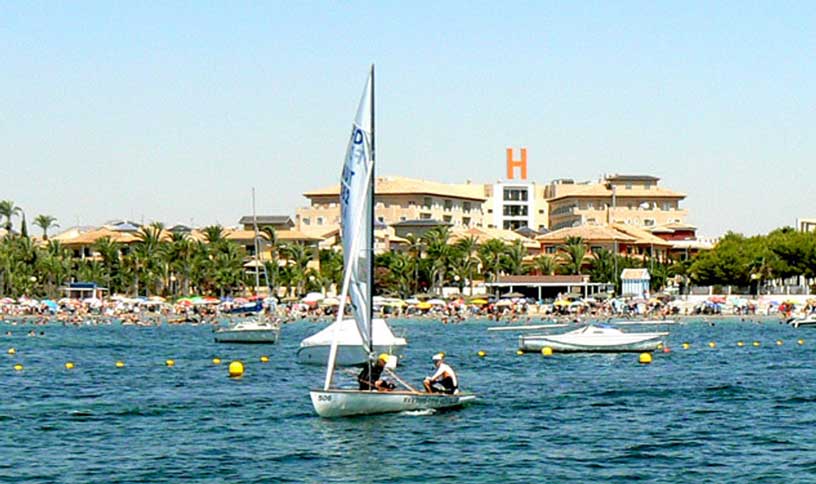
<point>357,235</point>
<point>592,338</point>
<point>350,350</point>
<point>249,331</point>
<point>345,403</point>
<point>807,321</point>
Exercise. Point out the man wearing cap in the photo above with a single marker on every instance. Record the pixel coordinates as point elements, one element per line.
<point>444,380</point>
<point>372,380</point>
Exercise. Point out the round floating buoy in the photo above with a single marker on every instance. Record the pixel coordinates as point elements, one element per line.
<point>264,359</point>
<point>236,369</point>
<point>666,349</point>
<point>740,344</point>
<point>170,363</point>
<point>69,365</point>
<point>120,364</point>
<point>779,342</point>
<point>216,361</point>
<point>18,367</point>
<point>801,341</point>
<point>481,354</point>
<point>519,352</point>
<point>712,345</point>
<point>12,351</point>
<point>686,346</point>
<point>755,343</point>
<point>660,346</point>
<point>645,358</point>
<point>546,351</point>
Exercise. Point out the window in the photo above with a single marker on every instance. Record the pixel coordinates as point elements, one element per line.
<point>541,212</point>
<point>489,210</point>
<point>595,249</point>
<point>427,202</point>
<point>466,206</point>
<point>590,205</point>
<point>319,220</point>
<point>514,224</point>
<point>381,219</point>
<point>403,219</point>
<point>425,216</point>
<point>647,185</point>
<point>306,221</point>
<point>466,221</point>
<point>446,218</point>
<point>628,185</point>
<point>649,222</point>
<point>411,203</point>
<point>448,205</point>
<point>515,195</point>
<point>550,250</point>
<point>515,210</point>
<point>667,206</point>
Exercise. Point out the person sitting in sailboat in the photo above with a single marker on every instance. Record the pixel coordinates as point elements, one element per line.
<point>444,379</point>
<point>372,380</point>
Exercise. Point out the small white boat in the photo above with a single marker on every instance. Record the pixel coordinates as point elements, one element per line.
<point>249,331</point>
<point>350,349</point>
<point>345,403</point>
<point>807,321</point>
<point>594,339</point>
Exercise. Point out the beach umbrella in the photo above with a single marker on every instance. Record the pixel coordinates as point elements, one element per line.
<point>513,294</point>
<point>436,302</point>
<point>313,297</point>
<point>478,302</point>
<point>561,303</point>
<point>423,305</point>
<point>156,299</point>
<point>504,303</point>
<point>412,300</point>
<point>7,300</point>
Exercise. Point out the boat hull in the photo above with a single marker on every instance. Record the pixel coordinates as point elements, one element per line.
<point>347,355</point>
<point>628,343</point>
<point>256,336</point>
<point>346,403</point>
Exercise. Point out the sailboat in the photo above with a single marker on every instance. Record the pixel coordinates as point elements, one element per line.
<point>357,220</point>
<point>261,327</point>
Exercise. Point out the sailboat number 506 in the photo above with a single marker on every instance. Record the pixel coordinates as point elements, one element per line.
<point>324,398</point>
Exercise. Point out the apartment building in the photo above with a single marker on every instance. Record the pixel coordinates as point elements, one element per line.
<point>628,199</point>
<point>399,199</point>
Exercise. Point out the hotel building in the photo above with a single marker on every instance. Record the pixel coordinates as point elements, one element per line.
<point>629,199</point>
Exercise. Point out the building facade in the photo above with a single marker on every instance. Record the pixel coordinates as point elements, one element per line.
<point>629,199</point>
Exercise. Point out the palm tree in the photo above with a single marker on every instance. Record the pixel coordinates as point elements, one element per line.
<point>108,250</point>
<point>490,255</point>
<point>45,222</point>
<point>544,265</point>
<point>9,210</point>
<point>415,247</point>
<point>602,266</point>
<point>513,258</point>
<point>213,233</point>
<point>298,257</point>
<point>469,246</point>
<point>574,253</point>
<point>436,241</point>
<point>274,253</point>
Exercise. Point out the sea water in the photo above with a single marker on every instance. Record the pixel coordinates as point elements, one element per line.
<point>702,414</point>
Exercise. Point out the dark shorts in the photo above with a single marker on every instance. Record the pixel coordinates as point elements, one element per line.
<point>444,385</point>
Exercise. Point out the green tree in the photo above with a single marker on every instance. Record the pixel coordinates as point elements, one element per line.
<point>45,222</point>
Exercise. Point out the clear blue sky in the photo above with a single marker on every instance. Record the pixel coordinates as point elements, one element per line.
<point>172,111</point>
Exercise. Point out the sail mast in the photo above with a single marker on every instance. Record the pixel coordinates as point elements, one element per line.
<point>373,239</point>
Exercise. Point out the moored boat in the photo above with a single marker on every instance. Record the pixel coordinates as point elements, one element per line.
<point>600,338</point>
<point>249,331</point>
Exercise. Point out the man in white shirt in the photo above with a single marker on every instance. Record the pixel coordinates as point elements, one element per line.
<point>443,380</point>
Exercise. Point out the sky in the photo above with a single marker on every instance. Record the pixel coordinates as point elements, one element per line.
<point>174,111</point>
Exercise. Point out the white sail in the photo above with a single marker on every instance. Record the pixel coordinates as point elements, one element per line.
<point>356,187</point>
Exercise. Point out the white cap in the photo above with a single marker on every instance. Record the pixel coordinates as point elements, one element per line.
<point>438,356</point>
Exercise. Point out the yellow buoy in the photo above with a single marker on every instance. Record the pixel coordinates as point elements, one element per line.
<point>660,346</point>
<point>801,341</point>
<point>645,358</point>
<point>120,364</point>
<point>481,354</point>
<point>686,346</point>
<point>755,343</point>
<point>740,344</point>
<point>236,368</point>
<point>519,352</point>
<point>712,345</point>
<point>779,342</point>
<point>216,361</point>
<point>546,351</point>
<point>18,367</point>
<point>170,363</point>
<point>69,365</point>
<point>12,351</point>
<point>264,359</point>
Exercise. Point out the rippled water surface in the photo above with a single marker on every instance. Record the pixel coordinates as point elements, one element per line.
<point>729,414</point>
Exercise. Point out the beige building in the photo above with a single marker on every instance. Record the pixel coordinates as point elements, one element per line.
<point>628,199</point>
<point>398,199</point>
<point>512,204</point>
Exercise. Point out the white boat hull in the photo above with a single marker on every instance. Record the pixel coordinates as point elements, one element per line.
<point>346,403</point>
<point>577,342</point>
<point>347,355</point>
<point>267,336</point>
<point>809,321</point>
